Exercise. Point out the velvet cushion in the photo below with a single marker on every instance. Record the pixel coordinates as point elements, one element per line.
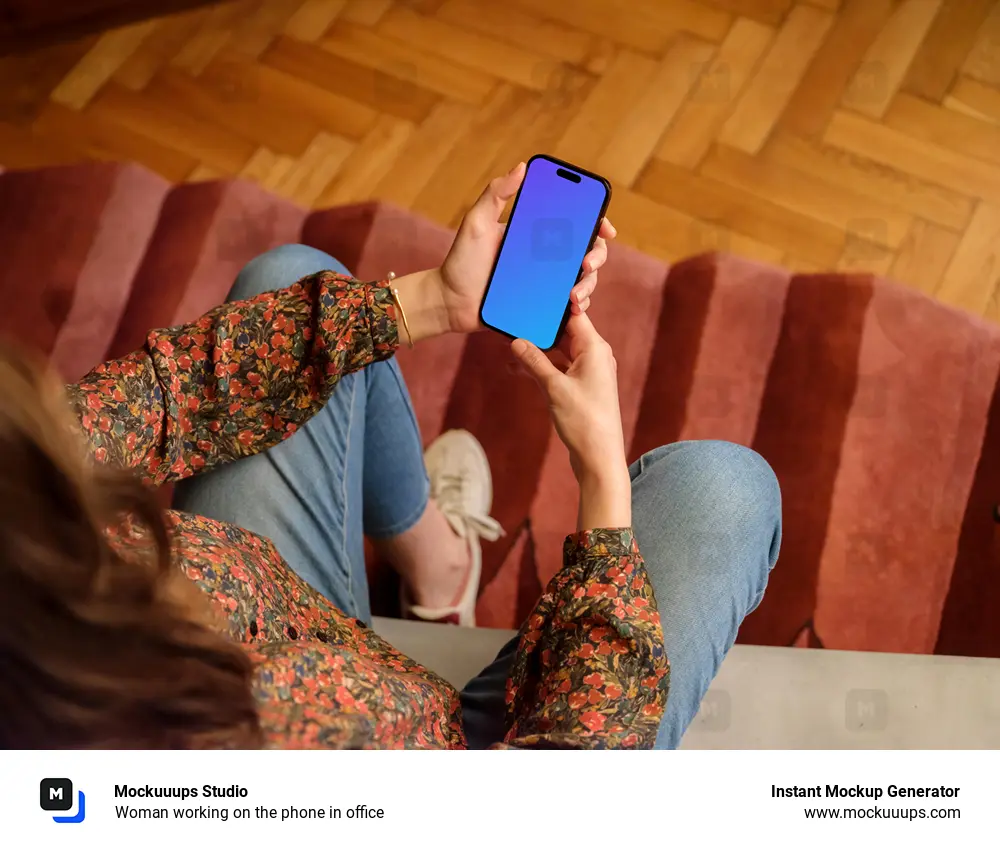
<point>877,407</point>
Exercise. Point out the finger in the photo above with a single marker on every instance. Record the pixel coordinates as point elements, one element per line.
<point>597,257</point>
<point>535,362</point>
<point>487,210</point>
<point>582,334</point>
<point>565,344</point>
<point>584,289</point>
<point>608,230</point>
<point>581,307</point>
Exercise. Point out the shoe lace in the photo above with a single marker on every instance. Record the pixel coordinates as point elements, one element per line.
<point>449,494</point>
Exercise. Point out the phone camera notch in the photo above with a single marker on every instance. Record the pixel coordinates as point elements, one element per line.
<point>568,175</point>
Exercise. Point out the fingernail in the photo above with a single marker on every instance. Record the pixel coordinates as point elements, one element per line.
<point>519,346</point>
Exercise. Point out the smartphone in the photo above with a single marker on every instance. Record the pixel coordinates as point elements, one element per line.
<point>553,224</point>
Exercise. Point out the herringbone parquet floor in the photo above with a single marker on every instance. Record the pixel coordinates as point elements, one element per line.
<point>850,134</point>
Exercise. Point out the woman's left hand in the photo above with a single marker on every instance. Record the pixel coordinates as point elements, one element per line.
<point>466,269</point>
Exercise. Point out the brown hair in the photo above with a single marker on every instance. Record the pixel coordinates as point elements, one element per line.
<point>101,645</point>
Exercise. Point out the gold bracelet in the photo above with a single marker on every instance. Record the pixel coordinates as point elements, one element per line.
<point>402,312</point>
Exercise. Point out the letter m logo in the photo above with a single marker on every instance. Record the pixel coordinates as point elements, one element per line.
<point>56,795</point>
<point>866,710</point>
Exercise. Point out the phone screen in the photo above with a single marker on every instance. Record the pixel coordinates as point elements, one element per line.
<point>550,230</point>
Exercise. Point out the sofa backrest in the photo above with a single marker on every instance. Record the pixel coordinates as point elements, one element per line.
<point>876,406</point>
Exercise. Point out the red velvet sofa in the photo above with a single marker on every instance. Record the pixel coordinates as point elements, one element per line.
<point>877,407</point>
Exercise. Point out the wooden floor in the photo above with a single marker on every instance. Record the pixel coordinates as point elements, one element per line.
<point>851,134</point>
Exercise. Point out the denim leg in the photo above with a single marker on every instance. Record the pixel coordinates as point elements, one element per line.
<point>357,465</point>
<point>707,516</point>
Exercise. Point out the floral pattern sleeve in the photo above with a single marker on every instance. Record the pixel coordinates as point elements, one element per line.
<point>235,382</point>
<point>591,670</point>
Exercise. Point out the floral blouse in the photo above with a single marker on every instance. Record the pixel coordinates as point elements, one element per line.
<point>590,671</point>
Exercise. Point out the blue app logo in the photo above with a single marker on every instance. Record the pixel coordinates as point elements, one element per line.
<point>56,795</point>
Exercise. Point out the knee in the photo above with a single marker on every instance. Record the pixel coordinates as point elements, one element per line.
<point>729,468</point>
<point>732,478</point>
<point>278,268</point>
<point>724,486</point>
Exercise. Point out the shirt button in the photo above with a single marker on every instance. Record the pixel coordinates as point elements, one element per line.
<point>292,633</point>
<point>253,628</point>
<point>321,636</point>
<point>360,623</point>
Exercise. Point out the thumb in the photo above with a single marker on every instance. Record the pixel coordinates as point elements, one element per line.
<point>535,362</point>
<point>488,209</point>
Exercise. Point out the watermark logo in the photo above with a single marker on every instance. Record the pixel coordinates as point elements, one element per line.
<point>864,238</point>
<point>716,397</point>
<point>864,550</point>
<point>871,397</point>
<point>559,85</point>
<point>56,795</point>
<point>715,713</point>
<point>235,85</point>
<point>871,84</point>
<point>241,237</point>
<point>395,79</point>
<point>551,240</point>
<point>709,237</point>
<point>866,710</point>
<point>710,83</point>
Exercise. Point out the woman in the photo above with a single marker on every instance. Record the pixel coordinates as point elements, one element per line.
<point>105,637</point>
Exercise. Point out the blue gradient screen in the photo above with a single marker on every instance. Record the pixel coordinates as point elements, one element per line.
<point>547,238</point>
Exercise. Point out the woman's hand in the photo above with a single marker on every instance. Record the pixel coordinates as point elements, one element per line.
<point>466,269</point>
<point>584,406</point>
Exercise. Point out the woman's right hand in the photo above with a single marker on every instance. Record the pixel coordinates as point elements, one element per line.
<point>584,406</point>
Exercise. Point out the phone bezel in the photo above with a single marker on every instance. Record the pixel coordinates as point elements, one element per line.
<point>513,210</point>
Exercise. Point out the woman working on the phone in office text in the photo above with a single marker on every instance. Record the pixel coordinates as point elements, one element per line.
<point>105,642</point>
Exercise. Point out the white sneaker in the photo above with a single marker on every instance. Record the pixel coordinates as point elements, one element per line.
<point>462,486</point>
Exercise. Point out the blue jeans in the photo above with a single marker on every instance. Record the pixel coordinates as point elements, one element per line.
<point>707,516</point>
